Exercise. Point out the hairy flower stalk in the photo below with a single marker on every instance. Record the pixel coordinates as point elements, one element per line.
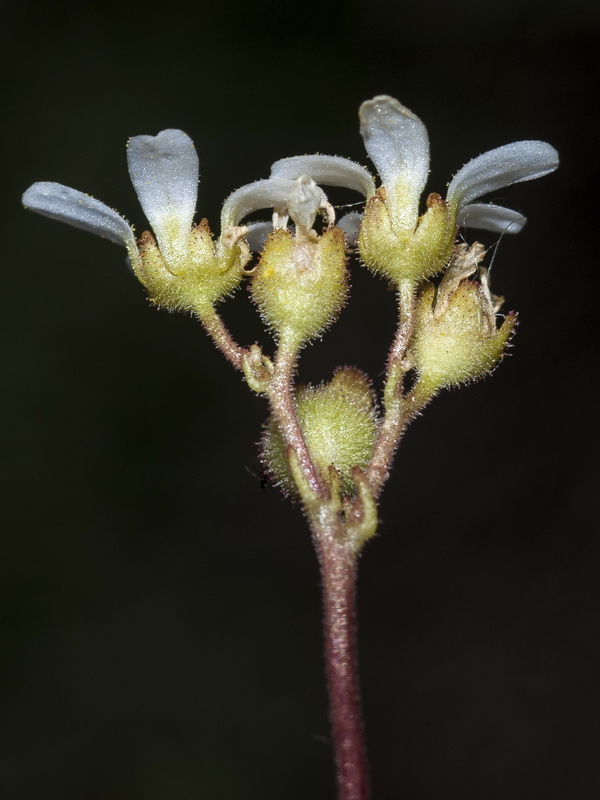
<point>329,446</point>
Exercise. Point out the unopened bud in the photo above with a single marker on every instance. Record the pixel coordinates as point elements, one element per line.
<point>340,426</point>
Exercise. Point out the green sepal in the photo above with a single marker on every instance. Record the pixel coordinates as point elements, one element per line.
<point>211,272</point>
<point>414,254</point>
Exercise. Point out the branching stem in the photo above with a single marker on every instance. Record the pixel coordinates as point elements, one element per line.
<point>281,397</point>
<point>399,409</point>
<point>406,323</point>
<point>215,327</point>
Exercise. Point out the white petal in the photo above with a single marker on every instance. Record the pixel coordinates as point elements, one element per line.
<point>80,210</point>
<point>326,171</point>
<point>350,224</point>
<point>489,217</point>
<point>396,141</point>
<point>257,235</point>
<point>512,163</point>
<point>164,172</point>
<point>268,193</point>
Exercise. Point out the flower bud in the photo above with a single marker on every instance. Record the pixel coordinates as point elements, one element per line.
<point>208,273</point>
<point>455,337</point>
<point>406,254</point>
<point>339,424</point>
<point>300,285</point>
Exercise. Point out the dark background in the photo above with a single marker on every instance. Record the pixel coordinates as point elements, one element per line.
<point>160,612</point>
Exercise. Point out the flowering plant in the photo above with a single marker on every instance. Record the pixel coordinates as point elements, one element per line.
<point>330,446</point>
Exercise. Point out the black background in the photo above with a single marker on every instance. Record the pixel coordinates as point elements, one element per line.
<point>160,612</point>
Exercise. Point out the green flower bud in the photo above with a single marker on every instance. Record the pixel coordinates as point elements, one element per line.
<point>340,425</point>
<point>406,253</point>
<point>455,337</point>
<point>210,271</point>
<point>300,285</point>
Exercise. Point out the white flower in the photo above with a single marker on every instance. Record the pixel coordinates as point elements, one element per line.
<point>397,143</point>
<point>293,190</point>
<point>164,173</point>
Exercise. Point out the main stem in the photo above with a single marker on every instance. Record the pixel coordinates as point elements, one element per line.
<point>338,575</point>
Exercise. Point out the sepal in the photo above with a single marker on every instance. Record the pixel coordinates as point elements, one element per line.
<point>210,273</point>
<point>414,255</point>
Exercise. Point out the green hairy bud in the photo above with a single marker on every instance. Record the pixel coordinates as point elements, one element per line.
<point>339,423</point>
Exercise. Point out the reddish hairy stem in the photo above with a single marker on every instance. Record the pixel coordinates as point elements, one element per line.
<point>284,409</point>
<point>395,423</point>
<point>406,322</point>
<point>215,327</point>
<point>399,410</point>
